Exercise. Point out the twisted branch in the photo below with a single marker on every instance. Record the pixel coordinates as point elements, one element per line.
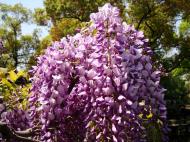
<point>8,133</point>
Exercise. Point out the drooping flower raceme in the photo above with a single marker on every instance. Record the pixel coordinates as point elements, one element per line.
<point>99,85</point>
<point>17,119</point>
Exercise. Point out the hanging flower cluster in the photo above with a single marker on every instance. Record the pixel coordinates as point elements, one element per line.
<point>98,85</point>
<point>17,119</point>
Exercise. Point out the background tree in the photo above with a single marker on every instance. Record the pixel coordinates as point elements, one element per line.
<point>79,9</point>
<point>67,15</point>
<point>43,44</point>
<point>18,47</point>
<point>165,23</point>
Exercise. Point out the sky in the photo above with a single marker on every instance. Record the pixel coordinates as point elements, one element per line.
<point>30,4</point>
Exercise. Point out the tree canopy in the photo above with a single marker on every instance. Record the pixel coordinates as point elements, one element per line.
<point>18,47</point>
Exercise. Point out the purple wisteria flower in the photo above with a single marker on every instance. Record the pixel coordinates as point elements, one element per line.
<point>99,85</point>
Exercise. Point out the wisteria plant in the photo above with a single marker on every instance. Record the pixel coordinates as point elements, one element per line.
<point>98,85</point>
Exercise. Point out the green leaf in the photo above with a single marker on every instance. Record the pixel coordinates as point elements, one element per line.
<point>13,76</point>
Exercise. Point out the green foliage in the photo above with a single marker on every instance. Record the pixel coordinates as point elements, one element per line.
<point>18,47</point>
<point>68,15</point>
<point>15,14</point>
<point>40,16</point>
<point>44,43</point>
<point>155,19</point>
<point>177,91</point>
<point>184,28</point>
<point>160,22</point>
<point>14,85</point>
<point>64,27</point>
<point>79,9</point>
<point>154,133</point>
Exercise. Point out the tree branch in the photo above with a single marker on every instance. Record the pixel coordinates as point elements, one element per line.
<point>8,133</point>
<point>175,65</point>
<point>144,17</point>
<point>151,29</point>
<point>20,62</point>
<point>74,81</point>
